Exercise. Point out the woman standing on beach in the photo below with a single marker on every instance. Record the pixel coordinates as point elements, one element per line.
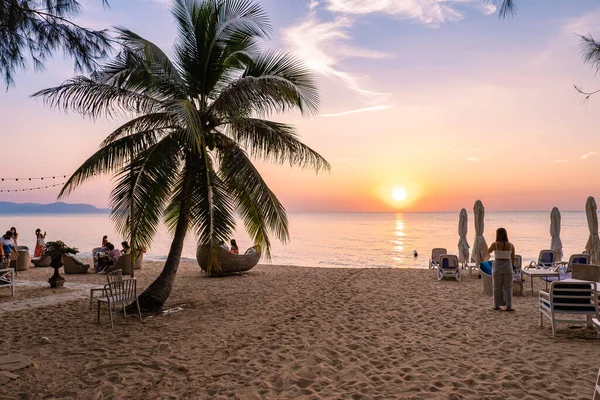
<point>502,271</point>
<point>39,243</point>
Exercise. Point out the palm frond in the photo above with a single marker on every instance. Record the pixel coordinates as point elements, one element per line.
<point>190,121</point>
<point>156,123</point>
<point>92,99</point>
<point>141,66</point>
<point>273,82</point>
<point>136,193</point>
<point>240,19</point>
<point>256,204</point>
<point>152,54</point>
<point>275,142</point>
<point>109,159</point>
<point>211,210</point>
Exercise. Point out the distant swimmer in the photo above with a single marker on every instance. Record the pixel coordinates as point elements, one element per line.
<point>415,254</point>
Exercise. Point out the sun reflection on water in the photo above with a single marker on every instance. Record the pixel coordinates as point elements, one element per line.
<point>399,242</point>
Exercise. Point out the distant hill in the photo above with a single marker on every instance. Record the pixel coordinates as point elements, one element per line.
<point>52,208</point>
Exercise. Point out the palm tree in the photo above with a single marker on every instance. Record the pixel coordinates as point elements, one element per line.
<point>196,119</point>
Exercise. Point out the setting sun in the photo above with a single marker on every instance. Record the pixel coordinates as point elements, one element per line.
<point>399,193</point>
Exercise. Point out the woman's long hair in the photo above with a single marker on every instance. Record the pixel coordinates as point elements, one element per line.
<point>501,235</point>
<point>234,244</point>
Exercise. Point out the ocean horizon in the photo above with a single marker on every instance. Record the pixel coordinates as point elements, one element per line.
<point>342,239</point>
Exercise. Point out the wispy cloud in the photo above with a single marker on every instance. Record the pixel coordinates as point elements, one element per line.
<point>582,24</point>
<point>324,45</point>
<point>561,161</point>
<point>590,154</point>
<point>431,12</point>
<point>360,110</point>
<point>475,159</point>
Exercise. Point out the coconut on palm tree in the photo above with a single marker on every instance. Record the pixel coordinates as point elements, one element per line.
<point>196,118</point>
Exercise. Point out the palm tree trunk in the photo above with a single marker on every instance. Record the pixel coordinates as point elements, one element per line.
<point>132,245</point>
<point>155,295</point>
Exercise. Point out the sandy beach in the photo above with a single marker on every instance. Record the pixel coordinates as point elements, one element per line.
<point>283,332</point>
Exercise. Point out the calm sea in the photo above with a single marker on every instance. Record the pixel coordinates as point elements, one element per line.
<point>379,240</point>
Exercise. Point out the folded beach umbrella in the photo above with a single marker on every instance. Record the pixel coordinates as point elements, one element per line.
<point>556,243</point>
<point>463,245</point>
<point>593,244</point>
<point>480,247</point>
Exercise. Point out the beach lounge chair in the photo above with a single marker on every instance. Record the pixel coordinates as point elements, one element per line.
<point>230,263</point>
<point>448,267</point>
<point>434,261</point>
<point>546,260</point>
<point>7,279</point>
<point>111,277</point>
<point>74,265</point>
<point>569,298</point>
<point>567,271</point>
<point>577,259</point>
<point>518,276</point>
<point>119,292</point>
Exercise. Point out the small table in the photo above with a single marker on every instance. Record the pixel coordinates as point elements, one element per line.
<point>539,273</point>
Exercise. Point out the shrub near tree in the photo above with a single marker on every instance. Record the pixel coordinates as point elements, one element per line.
<point>196,121</point>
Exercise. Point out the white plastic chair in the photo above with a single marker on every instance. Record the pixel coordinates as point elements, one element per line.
<point>120,292</point>
<point>7,279</point>
<point>113,276</point>
<point>571,298</point>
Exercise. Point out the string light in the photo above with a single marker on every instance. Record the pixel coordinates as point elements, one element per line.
<point>35,178</point>
<point>41,178</point>
<point>29,189</point>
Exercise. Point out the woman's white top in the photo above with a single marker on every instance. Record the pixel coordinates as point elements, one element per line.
<point>503,254</point>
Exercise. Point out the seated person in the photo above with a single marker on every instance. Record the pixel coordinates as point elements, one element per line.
<point>7,244</point>
<point>223,245</point>
<point>234,247</point>
<point>113,254</point>
<point>126,249</point>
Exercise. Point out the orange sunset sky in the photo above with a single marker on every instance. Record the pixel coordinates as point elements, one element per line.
<point>438,97</point>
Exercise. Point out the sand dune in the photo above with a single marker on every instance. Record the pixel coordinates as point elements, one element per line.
<point>285,332</point>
